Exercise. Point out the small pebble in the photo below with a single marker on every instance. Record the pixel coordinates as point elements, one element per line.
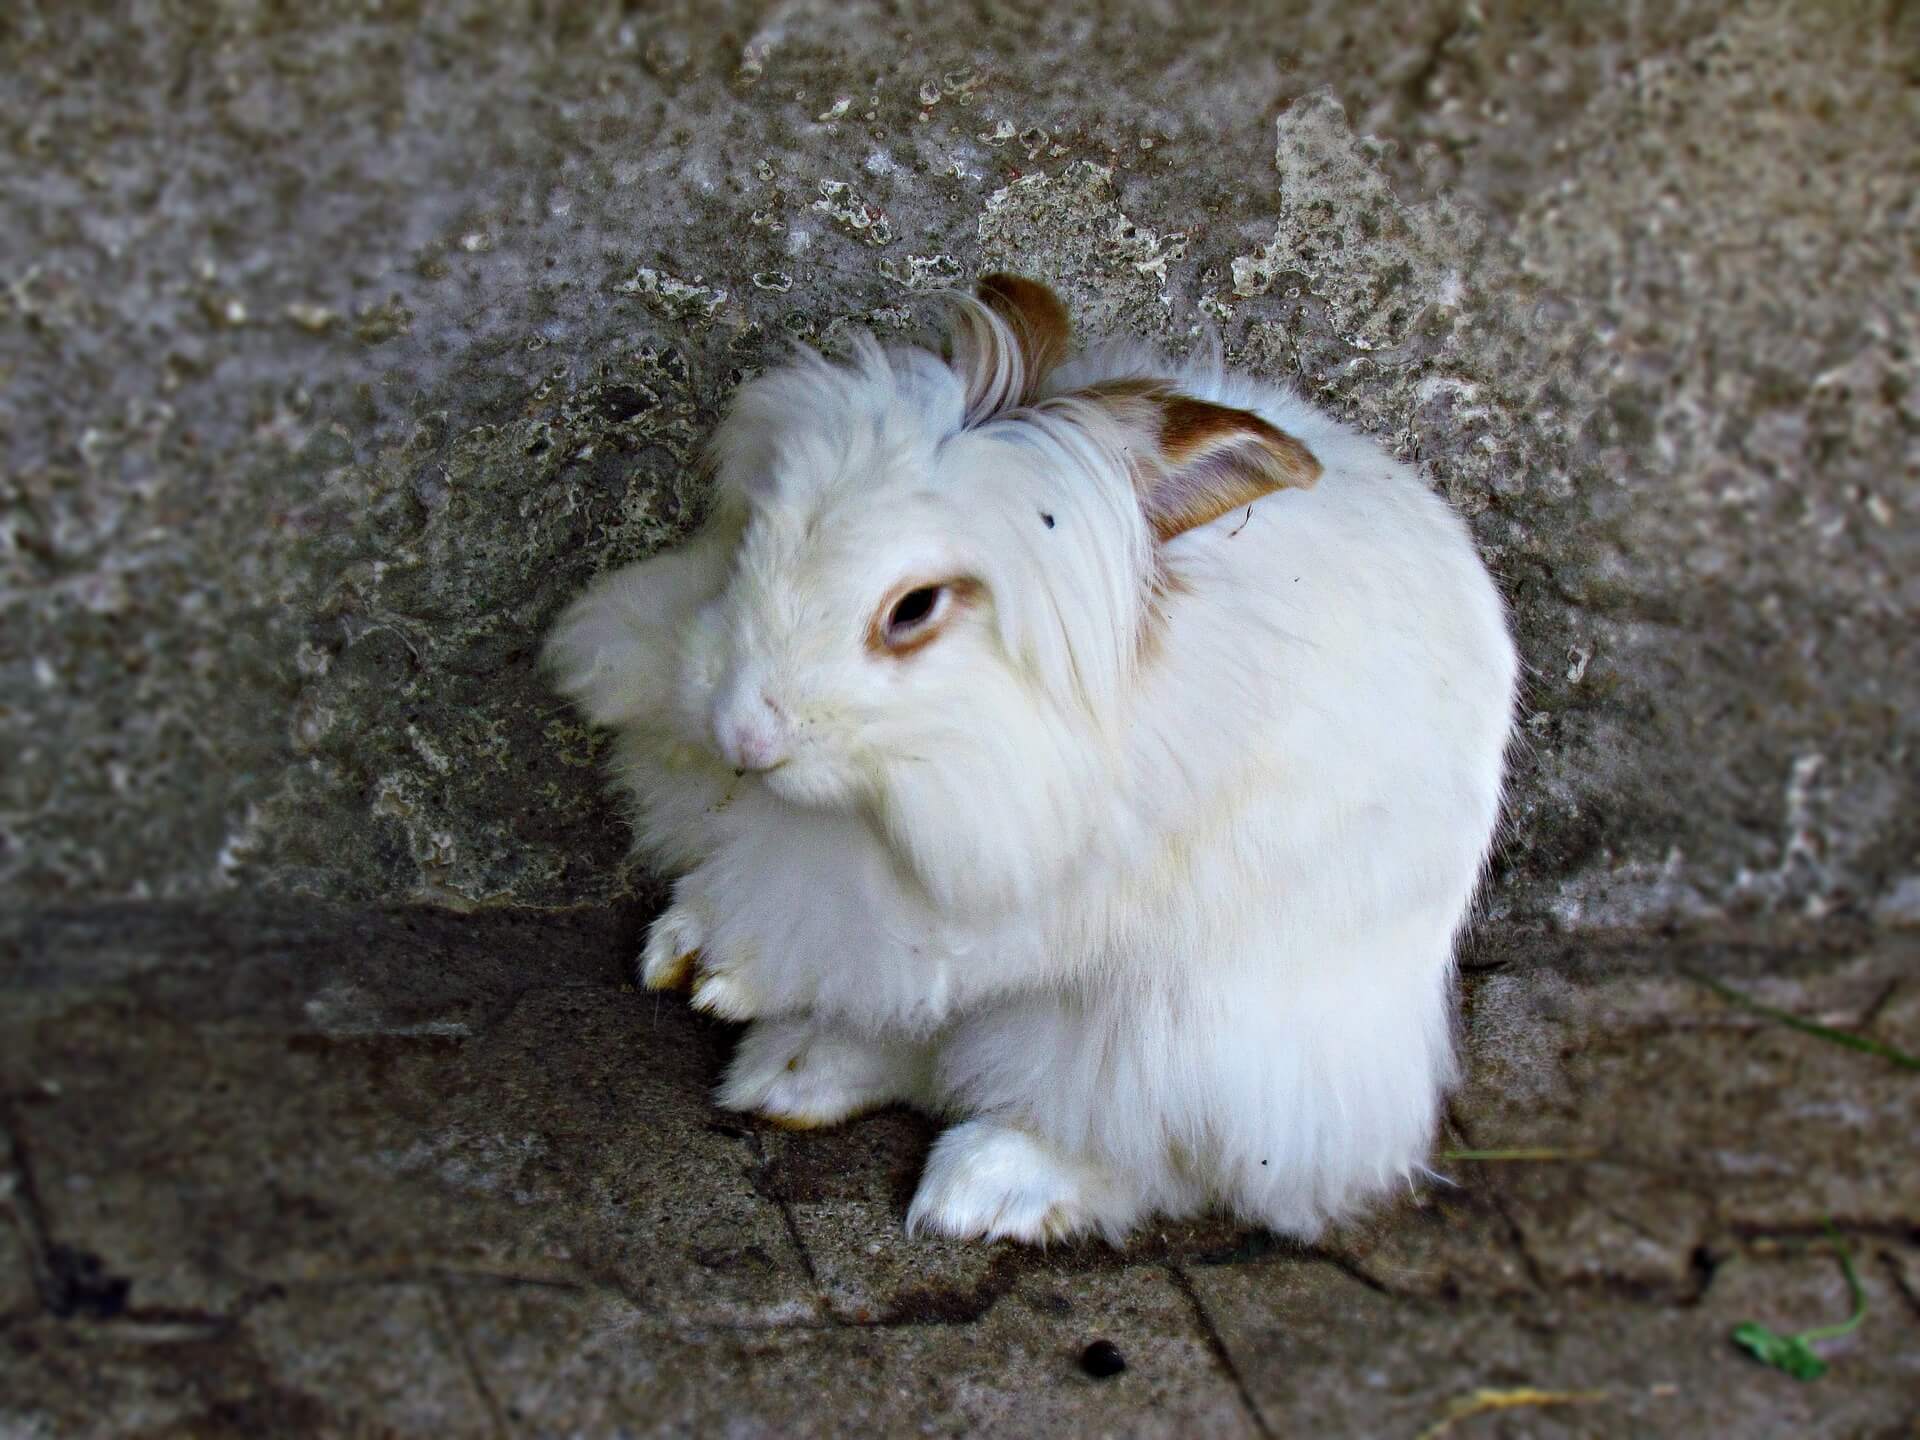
<point>1102,1360</point>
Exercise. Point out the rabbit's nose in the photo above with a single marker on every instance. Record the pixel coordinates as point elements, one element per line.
<point>749,728</point>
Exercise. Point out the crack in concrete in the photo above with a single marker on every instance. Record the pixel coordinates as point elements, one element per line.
<point>762,1167</point>
<point>432,1274</point>
<point>910,1309</point>
<point>1516,1235</point>
<point>1897,1277</point>
<point>463,1347</point>
<point>1878,1004</point>
<point>820,1326</point>
<point>1210,1332</point>
<point>1624,1286</point>
<point>32,1217</point>
<point>1628,1222</point>
<point>1362,1275</point>
<point>1703,1265</point>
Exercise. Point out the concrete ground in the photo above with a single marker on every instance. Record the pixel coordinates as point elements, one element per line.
<point>298,1170</point>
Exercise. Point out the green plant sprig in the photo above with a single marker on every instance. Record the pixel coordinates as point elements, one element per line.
<point>1794,1354</point>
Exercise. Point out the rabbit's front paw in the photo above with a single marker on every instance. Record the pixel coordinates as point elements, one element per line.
<point>992,1181</point>
<point>801,1074</point>
<point>673,946</point>
<point>678,953</point>
<point>723,993</point>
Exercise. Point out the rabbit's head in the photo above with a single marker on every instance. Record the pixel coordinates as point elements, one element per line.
<point>938,599</point>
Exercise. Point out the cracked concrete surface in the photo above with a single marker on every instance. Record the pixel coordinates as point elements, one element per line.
<point>338,346</point>
<point>303,1169</point>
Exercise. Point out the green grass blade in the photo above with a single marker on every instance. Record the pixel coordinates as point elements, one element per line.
<point>1854,1288</point>
<point>1862,1043</point>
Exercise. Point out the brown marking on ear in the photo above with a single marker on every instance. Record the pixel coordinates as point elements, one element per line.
<point>1039,322</point>
<point>1120,393</point>
<point>1218,460</point>
<point>1194,461</point>
<point>1192,428</point>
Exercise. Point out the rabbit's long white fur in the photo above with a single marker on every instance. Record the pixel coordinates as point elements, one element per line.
<point>1148,869</point>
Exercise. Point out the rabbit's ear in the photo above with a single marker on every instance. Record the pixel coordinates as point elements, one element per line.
<point>1005,342</point>
<point>1194,461</point>
<point>1037,318</point>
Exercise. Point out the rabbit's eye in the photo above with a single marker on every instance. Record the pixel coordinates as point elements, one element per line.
<point>914,617</point>
<point>910,619</point>
<point>912,609</point>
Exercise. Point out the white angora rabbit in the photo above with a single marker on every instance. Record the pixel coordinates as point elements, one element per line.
<point>1101,754</point>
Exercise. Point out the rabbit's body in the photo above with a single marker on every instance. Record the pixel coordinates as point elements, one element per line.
<point>1150,864</point>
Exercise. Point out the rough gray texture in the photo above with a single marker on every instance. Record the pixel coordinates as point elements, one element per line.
<point>305,1170</point>
<point>339,348</point>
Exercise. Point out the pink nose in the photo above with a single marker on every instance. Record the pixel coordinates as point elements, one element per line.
<point>749,730</point>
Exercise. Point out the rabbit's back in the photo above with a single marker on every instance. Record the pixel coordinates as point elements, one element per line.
<point>1344,644</point>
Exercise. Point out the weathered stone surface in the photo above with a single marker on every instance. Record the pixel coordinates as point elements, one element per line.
<point>304,1170</point>
<point>62,1379</point>
<point>340,349</point>
<point>202,1130</point>
<point>847,1190</point>
<point>356,1360</point>
<point>379,1357</point>
<point>1602,1367</point>
<point>1449,1240</point>
<point>19,1291</point>
<point>1903,1266</point>
<point>567,1365</point>
<point>1743,1122</point>
<point>17,1294</point>
<point>1894,1015</point>
<point>1762,539</point>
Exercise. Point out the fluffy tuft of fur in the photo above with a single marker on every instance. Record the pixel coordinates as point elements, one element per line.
<point>1145,858</point>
